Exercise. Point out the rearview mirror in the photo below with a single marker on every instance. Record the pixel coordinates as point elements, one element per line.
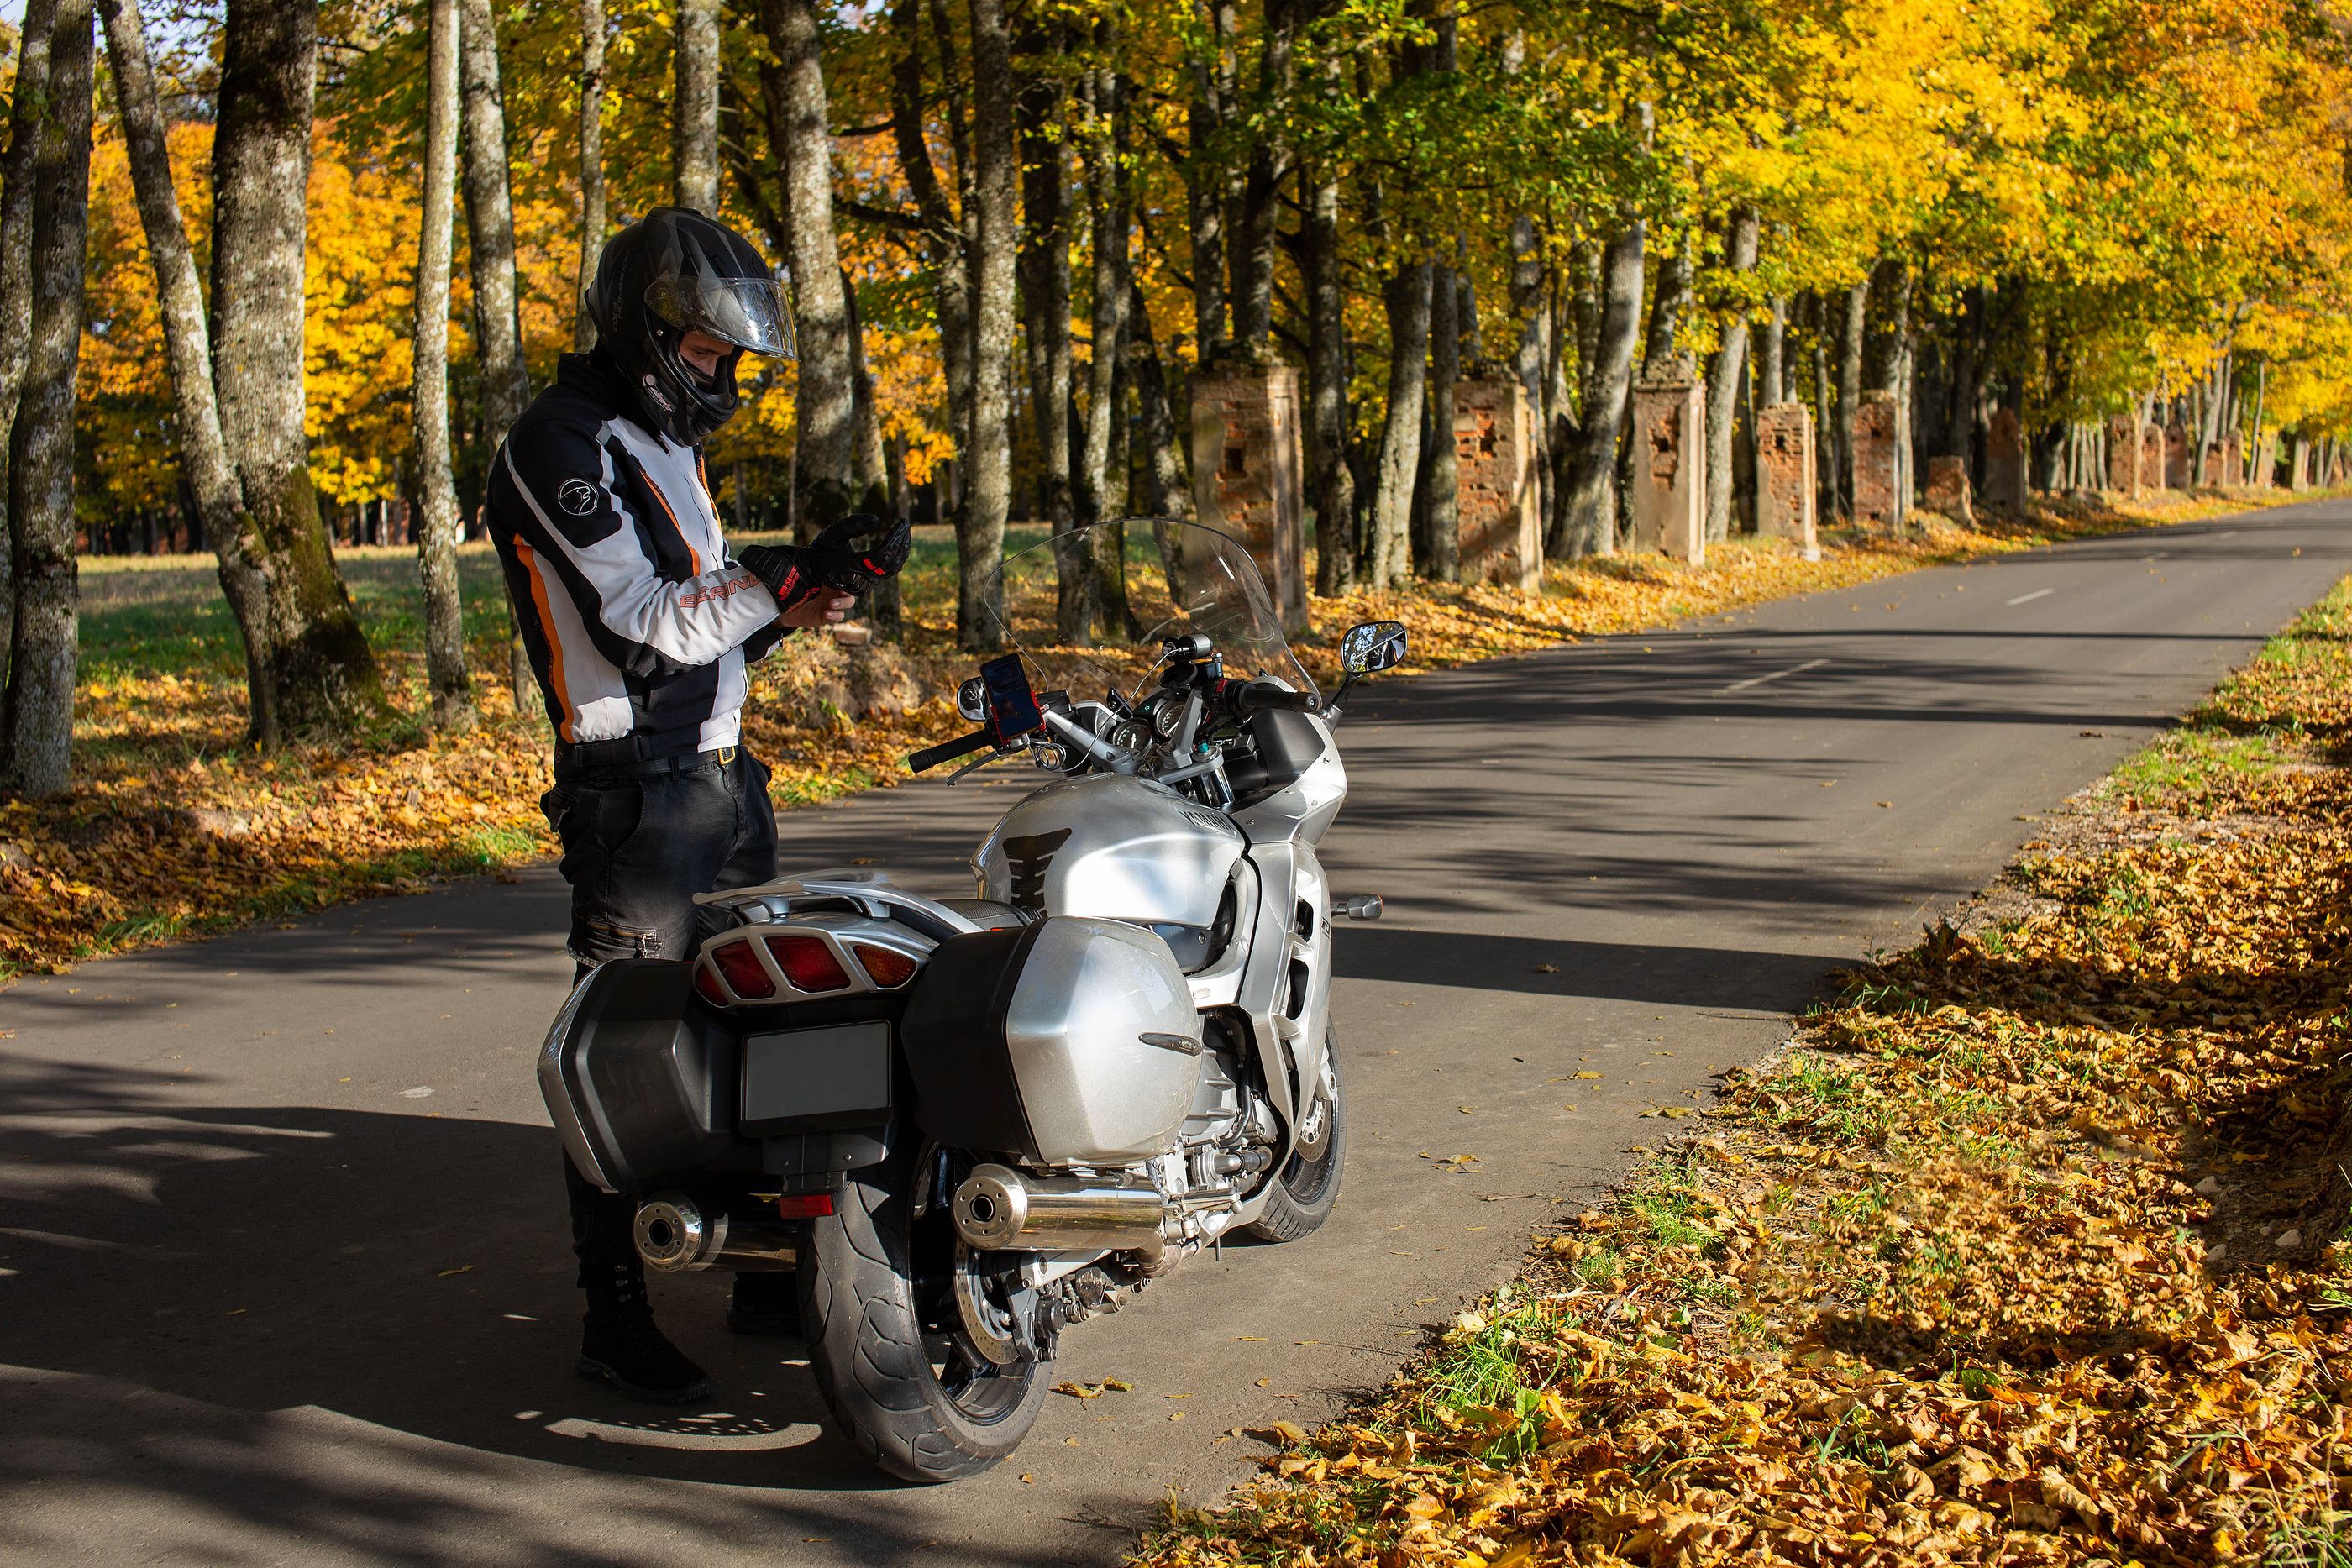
<point>1374,646</point>
<point>972,699</point>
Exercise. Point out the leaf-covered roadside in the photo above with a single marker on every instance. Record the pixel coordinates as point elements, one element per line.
<point>174,828</point>
<point>2031,1250</point>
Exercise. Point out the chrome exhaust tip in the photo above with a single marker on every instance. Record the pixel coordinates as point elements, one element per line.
<point>675,1236</point>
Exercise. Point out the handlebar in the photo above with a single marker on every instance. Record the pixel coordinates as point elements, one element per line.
<point>1262,697</point>
<point>946,750</point>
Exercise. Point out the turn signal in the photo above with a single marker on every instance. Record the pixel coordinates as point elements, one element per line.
<point>708,984</point>
<point>887,967</point>
<point>804,1205</point>
<point>807,963</point>
<point>742,970</point>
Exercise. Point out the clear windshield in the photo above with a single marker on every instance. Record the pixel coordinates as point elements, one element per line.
<point>1150,580</point>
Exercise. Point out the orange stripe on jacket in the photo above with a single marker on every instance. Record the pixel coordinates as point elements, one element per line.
<point>692,555</point>
<point>554,644</point>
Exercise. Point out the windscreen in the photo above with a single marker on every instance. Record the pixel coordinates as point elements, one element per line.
<point>1089,608</point>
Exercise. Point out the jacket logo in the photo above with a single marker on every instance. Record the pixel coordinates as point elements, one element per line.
<point>1025,862</point>
<point>577,496</point>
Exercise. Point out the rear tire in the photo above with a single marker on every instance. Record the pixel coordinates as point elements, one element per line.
<point>1305,1190</point>
<point>867,1344</point>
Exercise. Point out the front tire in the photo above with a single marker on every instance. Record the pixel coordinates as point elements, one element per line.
<point>1306,1190</point>
<point>871,1350</point>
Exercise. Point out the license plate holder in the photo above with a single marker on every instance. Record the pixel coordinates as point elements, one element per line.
<point>831,1073</point>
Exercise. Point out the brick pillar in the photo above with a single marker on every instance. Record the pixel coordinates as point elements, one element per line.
<point>1246,473</point>
<point>1877,462</point>
<point>1948,489</point>
<point>1669,498</point>
<point>2123,452</point>
<point>2004,463</point>
<point>1497,493</point>
<point>2151,456</point>
<point>2265,468</point>
<point>2233,460</point>
<point>2176,457</point>
<point>1785,483</point>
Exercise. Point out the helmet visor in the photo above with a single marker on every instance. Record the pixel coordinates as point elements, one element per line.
<point>747,313</point>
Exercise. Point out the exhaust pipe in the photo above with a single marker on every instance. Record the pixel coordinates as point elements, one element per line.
<point>997,1210</point>
<point>677,1236</point>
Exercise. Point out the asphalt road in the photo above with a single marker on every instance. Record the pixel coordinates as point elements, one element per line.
<point>283,1275</point>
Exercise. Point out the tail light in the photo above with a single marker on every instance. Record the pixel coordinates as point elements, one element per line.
<point>807,962</point>
<point>741,969</point>
<point>708,984</point>
<point>804,1205</point>
<point>886,966</point>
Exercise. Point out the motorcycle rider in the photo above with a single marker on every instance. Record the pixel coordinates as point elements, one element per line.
<point>638,624</point>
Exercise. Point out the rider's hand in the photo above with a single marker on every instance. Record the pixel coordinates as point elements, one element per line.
<point>859,551</point>
<point>817,610</point>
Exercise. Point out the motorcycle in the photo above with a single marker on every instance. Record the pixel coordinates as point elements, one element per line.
<point>969,1123</point>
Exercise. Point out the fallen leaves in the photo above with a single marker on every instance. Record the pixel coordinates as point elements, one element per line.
<point>1936,1288</point>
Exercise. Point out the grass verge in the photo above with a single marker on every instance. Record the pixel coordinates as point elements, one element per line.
<point>175,828</point>
<point>2030,1249</point>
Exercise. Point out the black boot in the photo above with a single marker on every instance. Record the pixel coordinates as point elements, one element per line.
<point>766,1302</point>
<point>618,1343</point>
<point>621,1345</point>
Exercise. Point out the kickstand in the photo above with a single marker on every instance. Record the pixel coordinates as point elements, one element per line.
<point>1217,1248</point>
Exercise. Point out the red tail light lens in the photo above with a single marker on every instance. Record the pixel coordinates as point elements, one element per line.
<point>708,984</point>
<point>887,967</point>
<point>742,969</point>
<point>807,963</point>
<point>805,1205</point>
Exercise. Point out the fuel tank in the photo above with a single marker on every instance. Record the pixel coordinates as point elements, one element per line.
<point>1115,848</point>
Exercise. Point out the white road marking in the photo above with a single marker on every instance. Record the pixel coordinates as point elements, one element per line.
<point>2030,598</point>
<point>2230,534</point>
<point>1760,680</point>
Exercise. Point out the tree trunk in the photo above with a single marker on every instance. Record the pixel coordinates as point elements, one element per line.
<point>437,535</point>
<point>1857,306</point>
<point>1205,179</point>
<point>1104,148</point>
<point>30,103</point>
<point>2259,478</point>
<point>1960,413</point>
<point>592,166</point>
<point>1330,482</point>
<point>1824,436</point>
<point>491,248</point>
<point>204,467</point>
<point>1531,308</point>
<point>694,111</point>
<point>1588,520</point>
<point>1663,358</point>
<point>1044,270</point>
<point>323,673</point>
<point>37,726</point>
<point>1254,228</point>
<point>995,196</point>
<point>1440,470</point>
<point>1771,360</point>
<point>1723,376</point>
<point>1406,297</point>
<point>1166,490</point>
<point>825,400</point>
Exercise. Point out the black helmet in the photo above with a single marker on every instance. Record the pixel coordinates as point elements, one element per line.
<point>672,270</point>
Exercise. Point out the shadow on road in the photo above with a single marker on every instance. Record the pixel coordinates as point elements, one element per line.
<point>370,1279</point>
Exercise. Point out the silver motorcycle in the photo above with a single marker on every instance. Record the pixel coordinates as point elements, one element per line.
<point>970,1123</point>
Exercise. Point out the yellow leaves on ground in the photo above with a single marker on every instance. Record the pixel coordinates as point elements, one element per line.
<point>2032,1251</point>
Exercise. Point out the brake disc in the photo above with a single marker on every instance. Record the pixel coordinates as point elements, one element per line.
<point>988,1321</point>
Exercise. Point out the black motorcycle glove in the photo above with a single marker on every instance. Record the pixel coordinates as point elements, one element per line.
<point>858,552</point>
<point>782,567</point>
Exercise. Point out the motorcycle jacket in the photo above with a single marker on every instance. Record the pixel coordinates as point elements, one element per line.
<point>637,621</point>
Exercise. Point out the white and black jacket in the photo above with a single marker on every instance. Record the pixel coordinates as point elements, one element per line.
<point>637,621</point>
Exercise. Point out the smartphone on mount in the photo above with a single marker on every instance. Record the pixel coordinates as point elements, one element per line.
<point>1011,704</point>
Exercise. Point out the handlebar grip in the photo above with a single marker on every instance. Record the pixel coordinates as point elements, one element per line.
<point>932,756</point>
<point>1259,696</point>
